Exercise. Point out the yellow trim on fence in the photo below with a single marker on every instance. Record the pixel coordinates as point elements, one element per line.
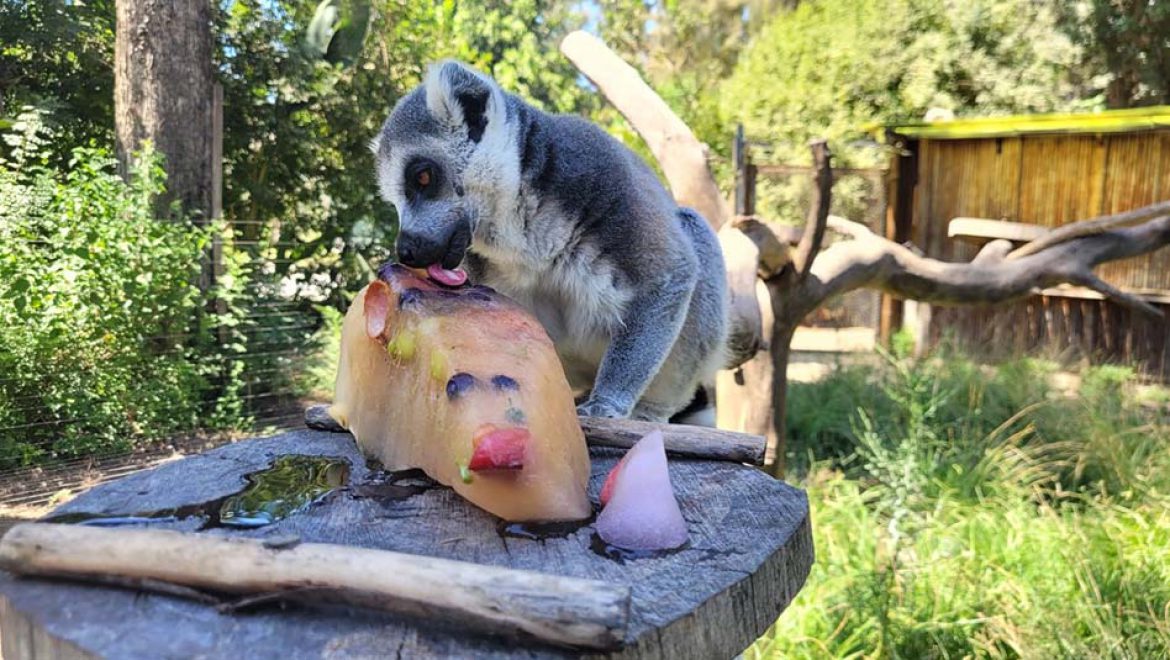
<point>1108,121</point>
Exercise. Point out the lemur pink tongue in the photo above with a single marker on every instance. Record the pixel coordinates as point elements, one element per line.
<point>449,277</point>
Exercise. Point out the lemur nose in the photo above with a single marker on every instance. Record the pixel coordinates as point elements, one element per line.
<point>418,251</point>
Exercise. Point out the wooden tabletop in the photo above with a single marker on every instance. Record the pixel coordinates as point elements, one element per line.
<point>750,551</point>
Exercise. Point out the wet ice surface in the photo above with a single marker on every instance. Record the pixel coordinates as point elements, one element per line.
<point>642,512</point>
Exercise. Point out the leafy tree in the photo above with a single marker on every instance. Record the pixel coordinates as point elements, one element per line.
<point>1130,40</point>
<point>297,125</point>
<point>57,56</point>
<point>831,67</point>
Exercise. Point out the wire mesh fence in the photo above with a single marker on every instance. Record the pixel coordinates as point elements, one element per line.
<point>244,360</point>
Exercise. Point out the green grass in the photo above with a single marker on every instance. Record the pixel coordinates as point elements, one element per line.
<point>962,511</point>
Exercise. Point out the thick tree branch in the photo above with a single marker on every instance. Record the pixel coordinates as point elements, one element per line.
<point>818,212</point>
<point>1090,227</point>
<point>681,154</point>
<point>1106,289</point>
<point>773,249</point>
<point>874,262</point>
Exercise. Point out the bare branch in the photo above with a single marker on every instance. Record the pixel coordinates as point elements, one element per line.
<point>681,154</point>
<point>1090,227</point>
<point>874,262</point>
<point>774,253</point>
<point>1117,295</point>
<point>818,212</point>
<point>849,228</point>
<point>994,251</point>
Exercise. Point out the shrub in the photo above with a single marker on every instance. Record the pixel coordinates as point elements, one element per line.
<point>103,338</point>
<point>966,511</point>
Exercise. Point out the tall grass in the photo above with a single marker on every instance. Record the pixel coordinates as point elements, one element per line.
<point>961,511</point>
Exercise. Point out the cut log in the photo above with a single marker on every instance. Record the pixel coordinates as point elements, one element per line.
<point>568,611</point>
<point>749,553</point>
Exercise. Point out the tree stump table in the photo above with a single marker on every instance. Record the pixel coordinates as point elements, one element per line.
<point>749,553</point>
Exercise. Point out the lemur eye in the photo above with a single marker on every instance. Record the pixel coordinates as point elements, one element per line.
<point>423,178</point>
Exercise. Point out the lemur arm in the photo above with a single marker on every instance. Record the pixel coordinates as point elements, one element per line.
<point>636,352</point>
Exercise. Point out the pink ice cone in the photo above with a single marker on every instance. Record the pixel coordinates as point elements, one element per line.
<point>642,512</point>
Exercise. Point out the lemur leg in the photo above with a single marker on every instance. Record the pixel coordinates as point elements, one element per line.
<point>688,366</point>
<point>639,348</point>
<point>699,350</point>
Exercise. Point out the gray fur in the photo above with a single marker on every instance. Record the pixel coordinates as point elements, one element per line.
<point>570,223</point>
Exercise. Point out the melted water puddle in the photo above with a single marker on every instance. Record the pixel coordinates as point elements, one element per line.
<point>290,485</point>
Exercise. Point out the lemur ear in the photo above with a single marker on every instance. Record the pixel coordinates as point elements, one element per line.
<point>458,95</point>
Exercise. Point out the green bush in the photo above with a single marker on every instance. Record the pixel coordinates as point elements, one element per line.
<point>103,338</point>
<point>968,511</point>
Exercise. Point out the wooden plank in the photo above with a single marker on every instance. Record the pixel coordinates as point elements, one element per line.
<point>967,178</point>
<point>1061,179</point>
<point>1070,291</point>
<point>680,440</point>
<point>982,228</point>
<point>1132,181</point>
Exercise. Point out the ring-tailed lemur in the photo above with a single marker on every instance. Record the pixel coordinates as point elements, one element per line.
<point>555,213</point>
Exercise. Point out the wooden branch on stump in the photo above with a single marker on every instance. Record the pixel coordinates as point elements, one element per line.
<point>522,604</point>
<point>680,440</point>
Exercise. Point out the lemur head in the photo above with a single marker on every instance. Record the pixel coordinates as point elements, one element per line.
<point>445,159</point>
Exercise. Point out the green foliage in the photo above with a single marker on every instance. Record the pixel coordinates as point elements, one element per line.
<point>299,173</point>
<point>57,56</point>
<point>966,511</point>
<point>831,67</point>
<point>102,342</point>
<point>306,87</point>
<point>1129,42</point>
<point>338,31</point>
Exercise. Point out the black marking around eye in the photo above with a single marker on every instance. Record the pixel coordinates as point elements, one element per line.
<point>417,167</point>
<point>459,384</point>
<point>502,382</point>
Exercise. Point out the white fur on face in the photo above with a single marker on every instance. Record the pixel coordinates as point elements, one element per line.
<point>490,168</point>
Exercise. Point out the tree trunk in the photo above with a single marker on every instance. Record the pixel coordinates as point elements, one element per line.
<point>781,348</point>
<point>163,95</point>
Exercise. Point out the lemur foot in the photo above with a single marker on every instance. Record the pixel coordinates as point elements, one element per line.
<point>602,408</point>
